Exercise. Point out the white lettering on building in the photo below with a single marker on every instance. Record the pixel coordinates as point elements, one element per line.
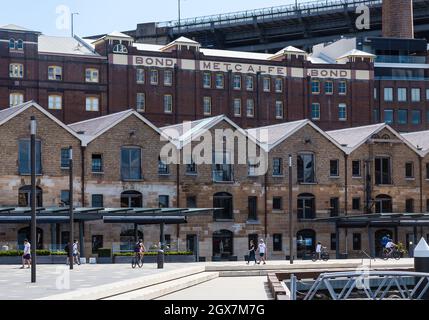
<point>329,73</point>
<point>154,62</point>
<point>242,68</point>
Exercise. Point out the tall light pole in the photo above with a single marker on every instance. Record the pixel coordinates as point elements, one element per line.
<point>72,22</point>
<point>179,11</point>
<point>290,212</point>
<point>33,128</point>
<point>71,237</point>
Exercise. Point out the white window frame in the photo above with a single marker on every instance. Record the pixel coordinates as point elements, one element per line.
<point>402,94</point>
<point>90,104</point>
<point>388,94</point>
<point>250,102</point>
<point>54,72</point>
<point>207,80</point>
<point>55,102</point>
<point>154,77</point>
<point>168,103</point>
<point>276,82</point>
<point>222,84</point>
<point>16,98</point>
<point>140,76</point>
<point>331,83</point>
<point>235,109</point>
<point>16,70</point>
<point>342,106</point>
<point>94,75</point>
<point>236,77</point>
<point>141,102</point>
<point>207,106</point>
<point>415,95</point>
<point>120,48</point>
<point>266,84</point>
<point>249,83</point>
<point>318,110</point>
<point>345,87</point>
<point>318,86</point>
<point>168,78</point>
<point>279,107</point>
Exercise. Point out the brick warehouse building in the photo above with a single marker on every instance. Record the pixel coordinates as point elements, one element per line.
<point>356,172</point>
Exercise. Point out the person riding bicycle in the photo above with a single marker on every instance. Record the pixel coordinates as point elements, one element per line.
<point>390,246</point>
<point>139,249</point>
<point>319,249</point>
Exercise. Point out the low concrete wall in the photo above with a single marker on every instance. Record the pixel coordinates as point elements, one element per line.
<point>40,260</point>
<point>153,259</point>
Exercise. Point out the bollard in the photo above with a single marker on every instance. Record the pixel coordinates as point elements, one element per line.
<point>421,264</point>
<point>160,259</point>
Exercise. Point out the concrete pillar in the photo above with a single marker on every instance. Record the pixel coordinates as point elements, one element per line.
<point>82,238</point>
<point>421,264</point>
<point>54,243</point>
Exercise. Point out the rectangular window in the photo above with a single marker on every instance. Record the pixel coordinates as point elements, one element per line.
<point>342,87</point>
<point>249,83</point>
<point>427,94</point>
<point>357,241</point>
<point>92,75</point>
<point>140,76</point>
<point>329,87</point>
<point>415,94</point>
<point>131,163</point>
<point>97,201</point>
<point>382,171</point>
<point>356,204</point>
<point>277,242</point>
<point>333,241</point>
<point>250,108</point>
<point>427,171</point>
<point>402,116</point>
<point>335,207</point>
<point>416,117</point>
<point>97,243</point>
<point>306,168</point>
<point>141,102</point>
<point>409,206</point>
<point>163,168</point>
<point>207,80</point>
<point>65,197</point>
<point>253,167</point>
<point>342,112</point>
<point>65,158</point>
<point>55,102</point>
<point>388,116</point>
<point>237,107</point>
<point>375,94</point>
<point>168,78</point>
<point>55,73</point>
<point>164,201</point>
<point>168,103</point>
<point>266,84</point>
<point>409,170</point>
<point>334,168</point>
<point>315,111</point>
<point>16,70</point>
<point>315,87</point>
<point>16,98</point>
<point>388,94</point>
<point>220,81</point>
<point>236,84</point>
<point>402,94</point>
<point>279,109</point>
<point>191,167</point>
<point>154,77</point>
<point>191,202</point>
<point>376,115</point>
<point>92,104</point>
<point>277,167</point>
<point>253,208</point>
<point>427,210</point>
<point>222,167</point>
<point>24,157</point>
<point>356,169</point>
<point>279,85</point>
<point>97,163</point>
<point>277,203</point>
<point>207,106</point>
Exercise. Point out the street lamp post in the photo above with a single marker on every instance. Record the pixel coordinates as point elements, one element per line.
<point>290,213</point>
<point>33,128</point>
<point>71,237</point>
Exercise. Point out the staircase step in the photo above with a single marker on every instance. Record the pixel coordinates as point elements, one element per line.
<point>159,290</point>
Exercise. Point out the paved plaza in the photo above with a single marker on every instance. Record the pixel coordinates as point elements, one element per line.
<point>101,281</point>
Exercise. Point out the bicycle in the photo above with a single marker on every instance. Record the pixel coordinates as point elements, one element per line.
<point>324,255</point>
<point>394,254</point>
<point>137,261</point>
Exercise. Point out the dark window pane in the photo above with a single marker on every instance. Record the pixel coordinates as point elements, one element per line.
<point>357,241</point>
<point>409,206</point>
<point>164,201</point>
<point>306,169</point>
<point>333,241</point>
<point>253,208</point>
<point>306,206</point>
<point>223,201</point>
<point>409,170</point>
<point>97,201</point>
<point>356,203</point>
<point>24,157</point>
<point>334,170</point>
<point>335,207</point>
<point>191,202</point>
<point>97,243</point>
<point>277,242</point>
<point>277,167</point>
<point>277,203</point>
<point>65,158</point>
<point>65,197</point>
<point>97,163</point>
<point>356,169</point>
<point>131,163</point>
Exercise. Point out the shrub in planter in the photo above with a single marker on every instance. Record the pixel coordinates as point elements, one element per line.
<point>59,253</point>
<point>104,253</point>
<point>17,253</point>
<point>149,254</point>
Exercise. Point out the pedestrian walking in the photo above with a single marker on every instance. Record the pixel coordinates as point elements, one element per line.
<point>76,254</point>
<point>262,248</point>
<point>67,250</point>
<point>252,252</point>
<point>319,251</point>
<point>26,257</point>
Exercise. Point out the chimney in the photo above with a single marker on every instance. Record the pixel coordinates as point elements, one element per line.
<point>398,19</point>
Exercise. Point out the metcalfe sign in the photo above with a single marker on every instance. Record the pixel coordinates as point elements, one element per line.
<point>242,68</point>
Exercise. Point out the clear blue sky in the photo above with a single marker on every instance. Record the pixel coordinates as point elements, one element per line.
<point>103,16</point>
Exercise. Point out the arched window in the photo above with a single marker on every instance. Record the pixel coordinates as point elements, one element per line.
<point>120,48</point>
<point>20,45</point>
<point>385,137</point>
<point>131,199</point>
<point>305,242</point>
<point>223,244</point>
<point>12,43</point>
<point>25,233</point>
<point>223,200</point>
<point>383,204</point>
<point>306,206</point>
<point>24,197</point>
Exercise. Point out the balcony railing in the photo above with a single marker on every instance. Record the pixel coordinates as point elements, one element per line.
<point>400,59</point>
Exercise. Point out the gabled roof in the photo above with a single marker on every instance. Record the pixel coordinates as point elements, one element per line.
<point>89,130</point>
<point>65,45</point>
<point>352,138</point>
<point>278,133</point>
<point>182,134</point>
<point>10,113</point>
<point>14,27</point>
<point>182,40</point>
<point>117,34</point>
<point>420,140</point>
<point>356,53</point>
<point>287,50</point>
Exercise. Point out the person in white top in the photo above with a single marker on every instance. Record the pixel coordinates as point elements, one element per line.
<point>76,255</point>
<point>26,257</point>
<point>262,248</point>
<point>319,250</point>
<point>391,246</point>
